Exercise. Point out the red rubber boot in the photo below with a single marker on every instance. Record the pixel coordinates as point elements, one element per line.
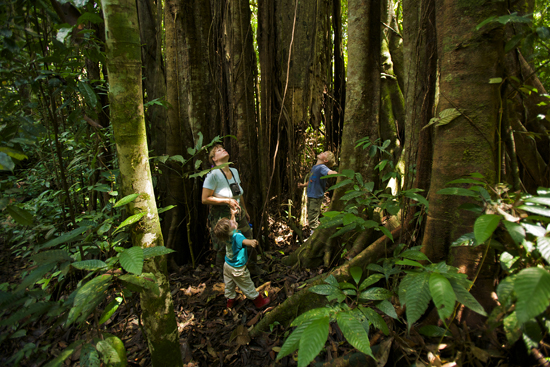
<point>260,301</point>
<point>231,302</point>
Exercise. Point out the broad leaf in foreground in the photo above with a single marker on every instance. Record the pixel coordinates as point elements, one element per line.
<point>354,333</point>
<point>532,286</point>
<point>291,343</point>
<point>132,260</point>
<point>312,341</point>
<point>417,297</point>
<point>443,295</point>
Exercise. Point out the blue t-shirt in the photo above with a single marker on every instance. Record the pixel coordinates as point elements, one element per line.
<point>236,254</point>
<point>316,185</point>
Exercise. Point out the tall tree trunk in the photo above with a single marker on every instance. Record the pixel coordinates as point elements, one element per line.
<point>362,116</point>
<point>468,58</point>
<point>125,92</point>
<point>242,112</point>
<point>335,124</point>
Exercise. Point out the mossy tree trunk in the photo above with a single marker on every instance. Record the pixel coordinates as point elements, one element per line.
<point>468,58</point>
<point>125,94</point>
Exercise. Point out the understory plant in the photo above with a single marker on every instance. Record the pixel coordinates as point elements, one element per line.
<point>365,203</point>
<point>89,270</point>
<point>359,307</point>
<point>517,226</point>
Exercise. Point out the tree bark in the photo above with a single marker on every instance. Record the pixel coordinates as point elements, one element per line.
<point>125,92</point>
<point>467,59</point>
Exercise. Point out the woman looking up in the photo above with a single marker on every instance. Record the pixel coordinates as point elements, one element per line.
<point>222,191</point>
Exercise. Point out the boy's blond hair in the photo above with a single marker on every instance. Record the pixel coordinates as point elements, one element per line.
<point>223,229</point>
<point>213,152</point>
<point>331,160</point>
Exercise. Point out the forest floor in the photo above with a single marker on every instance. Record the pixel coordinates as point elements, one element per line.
<point>213,335</point>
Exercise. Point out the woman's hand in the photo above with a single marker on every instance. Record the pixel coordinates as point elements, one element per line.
<point>233,204</point>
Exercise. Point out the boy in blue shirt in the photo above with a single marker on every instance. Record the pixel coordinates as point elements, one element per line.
<point>235,272</point>
<point>316,187</point>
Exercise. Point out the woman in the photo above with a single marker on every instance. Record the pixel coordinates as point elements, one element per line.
<point>222,191</point>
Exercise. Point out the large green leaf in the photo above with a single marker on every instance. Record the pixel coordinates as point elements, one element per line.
<point>485,226</point>
<point>312,341</point>
<point>35,276</point>
<point>505,291</point>
<point>88,297</point>
<point>314,314</point>
<point>543,245</point>
<point>34,310</point>
<point>110,309</point>
<point>456,191</point>
<point>332,281</point>
<point>292,342</point>
<point>414,255</point>
<point>354,333</point>
<point>65,237</point>
<point>90,265</point>
<point>536,209</point>
<point>443,295</point>
<point>130,220</point>
<point>20,215</point>
<point>387,307</point>
<point>512,328</point>
<point>417,197</point>
<point>417,296</point>
<point>324,289</point>
<point>515,230</point>
<point>125,200</point>
<point>370,281</point>
<point>89,356</point>
<point>66,353</point>
<point>112,351</point>
<point>375,319</point>
<point>466,298</point>
<point>145,281</point>
<point>88,93</point>
<point>375,294</point>
<point>532,286</point>
<point>132,260</point>
<point>52,256</point>
<point>149,252</point>
<point>356,273</point>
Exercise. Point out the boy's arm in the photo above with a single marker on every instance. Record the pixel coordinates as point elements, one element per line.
<point>302,185</point>
<point>252,243</point>
<point>331,172</point>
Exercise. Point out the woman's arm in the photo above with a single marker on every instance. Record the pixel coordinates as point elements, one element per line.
<point>209,199</point>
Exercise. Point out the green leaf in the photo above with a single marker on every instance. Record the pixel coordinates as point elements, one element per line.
<point>65,237</point>
<point>312,341</point>
<point>416,197</point>
<point>370,281</point>
<point>466,298</point>
<point>448,115</point>
<point>375,294</point>
<point>512,328</point>
<point>165,209</point>
<point>495,80</point>
<point>145,281</point>
<point>485,226</point>
<point>505,290</point>
<point>538,200</point>
<point>354,333</point>
<point>6,163</point>
<point>416,292</point>
<point>324,289</point>
<point>89,17</point>
<point>88,297</point>
<point>292,342</point>
<point>314,314</point>
<point>88,93</point>
<point>90,265</point>
<point>387,307</point>
<point>443,295</point>
<point>375,319</point>
<point>356,273</point>
<point>543,245</point>
<point>532,286</point>
<point>89,357</point>
<point>132,260</point>
<point>537,209</point>
<point>110,309</point>
<point>35,276</point>
<point>433,331</point>
<point>34,310</point>
<point>149,252</point>
<point>52,256</point>
<point>515,230</point>
<point>112,351</point>
<point>408,262</point>
<point>66,353</point>
<point>456,191</point>
<point>332,281</point>
<point>414,255</point>
<point>20,215</point>
<point>130,220</point>
<point>125,200</point>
